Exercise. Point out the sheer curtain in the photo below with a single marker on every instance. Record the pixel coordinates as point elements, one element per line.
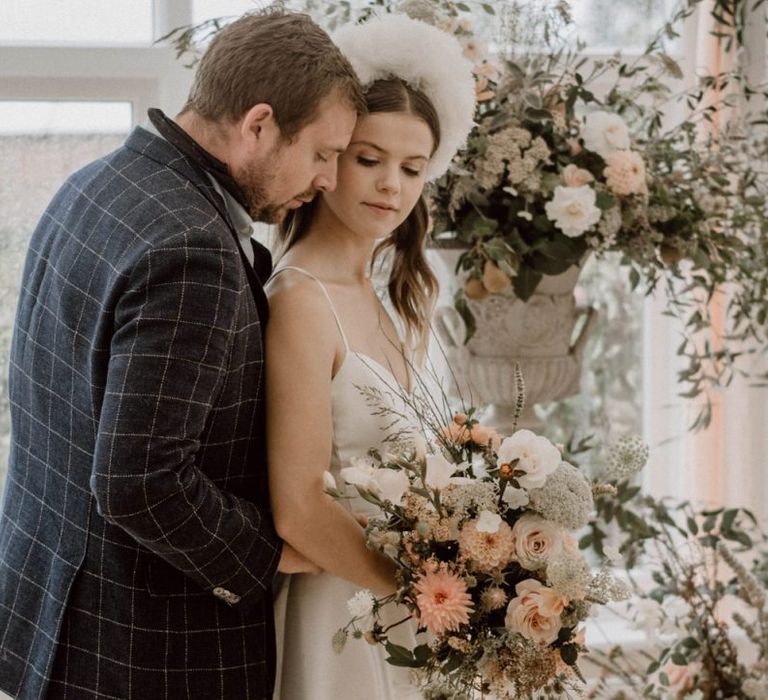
<point>726,463</point>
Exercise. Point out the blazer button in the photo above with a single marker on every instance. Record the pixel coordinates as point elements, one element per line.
<point>227,596</point>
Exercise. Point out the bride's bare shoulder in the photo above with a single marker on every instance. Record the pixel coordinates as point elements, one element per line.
<point>298,307</point>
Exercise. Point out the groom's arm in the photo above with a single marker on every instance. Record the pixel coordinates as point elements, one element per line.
<point>169,356</point>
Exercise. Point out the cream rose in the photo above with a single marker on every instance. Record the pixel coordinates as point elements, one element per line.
<point>535,612</point>
<point>573,209</point>
<point>605,133</point>
<point>537,541</point>
<point>536,457</point>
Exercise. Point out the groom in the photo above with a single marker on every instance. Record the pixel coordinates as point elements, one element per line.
<point>136,543</point>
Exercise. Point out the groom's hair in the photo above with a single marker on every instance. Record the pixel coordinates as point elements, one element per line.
<point>275,57</point>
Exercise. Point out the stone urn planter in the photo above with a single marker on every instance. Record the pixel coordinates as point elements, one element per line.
<point>545,335</point>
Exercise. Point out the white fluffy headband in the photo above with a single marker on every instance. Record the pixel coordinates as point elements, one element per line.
<point>429,60</point>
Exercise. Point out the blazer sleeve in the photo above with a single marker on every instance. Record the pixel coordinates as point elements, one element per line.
<point>174,329</point>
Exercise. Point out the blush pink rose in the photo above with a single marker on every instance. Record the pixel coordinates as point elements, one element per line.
<point>482,435</point>
<point>536,541</point>
<point>574,176</point>
<point>535,612</point>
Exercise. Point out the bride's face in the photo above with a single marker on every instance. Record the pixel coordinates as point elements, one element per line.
<point>381,174</point>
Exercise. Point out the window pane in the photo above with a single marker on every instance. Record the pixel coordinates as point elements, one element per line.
<point>208,9</point>
<point>64,117</point>
<point>632,24</point>
<point>36,161</point>
<point>76,21</point>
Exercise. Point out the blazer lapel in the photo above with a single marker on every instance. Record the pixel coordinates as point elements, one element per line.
<point>159,150</point>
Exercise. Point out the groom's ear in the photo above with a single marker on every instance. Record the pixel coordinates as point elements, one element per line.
<point>258,128</point>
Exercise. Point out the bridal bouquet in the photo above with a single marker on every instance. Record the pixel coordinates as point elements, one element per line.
<point>481,527</point>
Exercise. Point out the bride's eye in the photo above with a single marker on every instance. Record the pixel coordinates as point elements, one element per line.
<point>367,162</point>
<point>411,172</point>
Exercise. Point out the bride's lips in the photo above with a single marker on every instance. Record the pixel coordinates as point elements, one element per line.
<point>381,208</point>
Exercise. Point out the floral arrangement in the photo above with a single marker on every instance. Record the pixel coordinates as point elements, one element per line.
<point>481,527</point>
<point>701,595</point>
<point>573,156</point>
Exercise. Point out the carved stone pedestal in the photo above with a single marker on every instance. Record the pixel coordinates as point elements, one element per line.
<point>545,335</point>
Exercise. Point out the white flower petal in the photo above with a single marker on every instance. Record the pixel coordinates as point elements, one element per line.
<point>488,522</point>
<point>392,484</point>
<point>515,498</point>
<point>573,209</point>
<point>439,472</point>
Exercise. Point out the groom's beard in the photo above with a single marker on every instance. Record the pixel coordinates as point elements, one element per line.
<point>254,182</point>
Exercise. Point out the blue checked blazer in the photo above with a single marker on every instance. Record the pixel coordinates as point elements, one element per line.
<point>137,549</point>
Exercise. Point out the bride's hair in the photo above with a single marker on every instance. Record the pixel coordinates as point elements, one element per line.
<point>412,285</point>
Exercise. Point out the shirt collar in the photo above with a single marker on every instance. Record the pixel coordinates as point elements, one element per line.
<point>179,138</point>
<point>216,170</point>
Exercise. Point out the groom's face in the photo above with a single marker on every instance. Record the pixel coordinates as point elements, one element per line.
<point>292,172</point>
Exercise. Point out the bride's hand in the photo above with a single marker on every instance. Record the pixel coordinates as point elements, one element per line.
<point>362,519</point>
<point>292,562</point>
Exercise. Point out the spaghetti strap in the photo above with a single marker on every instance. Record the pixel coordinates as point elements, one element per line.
<point>327,296</point>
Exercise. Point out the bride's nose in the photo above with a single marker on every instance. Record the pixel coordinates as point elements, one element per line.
<point>389,181</point>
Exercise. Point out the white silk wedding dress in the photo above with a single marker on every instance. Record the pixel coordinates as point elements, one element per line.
<point>309,609</point>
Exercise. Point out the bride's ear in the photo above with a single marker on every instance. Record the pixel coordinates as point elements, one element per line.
<point>258,129</point>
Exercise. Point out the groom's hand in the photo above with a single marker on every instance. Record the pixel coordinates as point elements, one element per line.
<point>291,562</point>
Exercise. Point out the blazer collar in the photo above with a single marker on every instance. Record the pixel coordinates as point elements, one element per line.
<point>166,154</point>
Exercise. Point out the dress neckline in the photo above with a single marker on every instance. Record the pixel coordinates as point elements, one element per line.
<point>364,359</point>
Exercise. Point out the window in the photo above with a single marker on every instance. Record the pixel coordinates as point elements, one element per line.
<point>66,98</point>
<point>76,21</point>
<point>203,10</point>
<point>631,25</point>
<point>42,143</point>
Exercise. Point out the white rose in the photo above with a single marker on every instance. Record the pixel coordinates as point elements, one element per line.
<point>392,484</point>
<point>605,133</point>
<point>573,209</point>
<point>537,457</point>
<point>537,541</point>
<point>439,472</point>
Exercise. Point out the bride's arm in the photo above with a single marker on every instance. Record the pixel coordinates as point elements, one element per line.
<point>301,345</point>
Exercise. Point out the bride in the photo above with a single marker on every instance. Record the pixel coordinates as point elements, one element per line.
<point>329,336</point>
